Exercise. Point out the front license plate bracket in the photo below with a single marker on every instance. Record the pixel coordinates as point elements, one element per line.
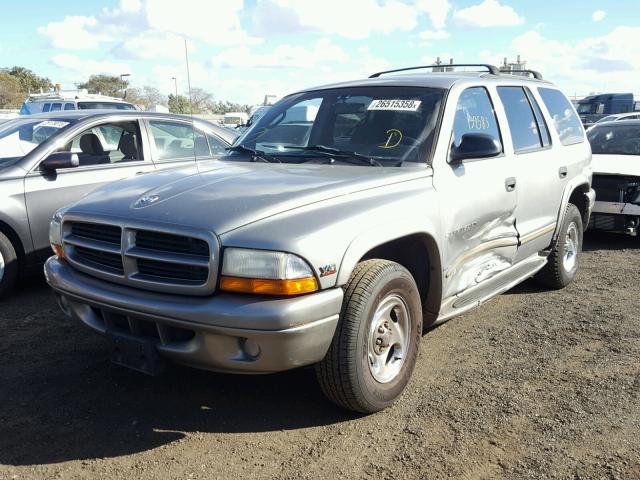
<point>135,353</point>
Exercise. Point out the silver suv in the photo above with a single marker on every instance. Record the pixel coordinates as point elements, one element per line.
<point>339,227</point>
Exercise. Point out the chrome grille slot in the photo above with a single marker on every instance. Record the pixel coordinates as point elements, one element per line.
<point>164,242</point>
<point>101,233</point>
<point>111,262</point>
<point>193,274</point>
<point>175,261</point>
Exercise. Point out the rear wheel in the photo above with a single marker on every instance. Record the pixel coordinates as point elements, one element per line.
<point>8,265</point>
<point>562,264</point>
<point>375,346</point>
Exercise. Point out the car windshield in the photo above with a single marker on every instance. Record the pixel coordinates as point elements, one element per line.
<point>382,126</point>
<point>586,107</point>
<point>104,106</point>
<point>618,139</point>
<point>18,137</point>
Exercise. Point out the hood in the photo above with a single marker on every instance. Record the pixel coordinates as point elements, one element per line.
<point>616,164</point>
<point>229,195</point>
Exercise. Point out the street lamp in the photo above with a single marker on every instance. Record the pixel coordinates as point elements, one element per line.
<point>175,82</point>
<point>122,75</point>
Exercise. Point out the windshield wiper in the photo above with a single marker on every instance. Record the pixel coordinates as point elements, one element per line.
<point>255,155</point>
<point>343,154</point>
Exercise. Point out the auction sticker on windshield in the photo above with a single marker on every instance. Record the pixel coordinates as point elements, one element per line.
<point>402,105</point>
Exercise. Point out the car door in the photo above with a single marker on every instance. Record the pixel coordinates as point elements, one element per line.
<point>176,142</point>
<point>541,169</point>
<point>107,151</point>
<point>478,197</point>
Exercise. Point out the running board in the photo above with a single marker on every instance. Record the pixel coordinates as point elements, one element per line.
<point>479,294</point>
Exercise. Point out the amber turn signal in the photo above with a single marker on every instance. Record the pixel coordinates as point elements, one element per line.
<point>58,250</point>
<point>261,286</point>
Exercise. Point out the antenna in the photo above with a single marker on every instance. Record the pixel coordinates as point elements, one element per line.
<point>193,129</point>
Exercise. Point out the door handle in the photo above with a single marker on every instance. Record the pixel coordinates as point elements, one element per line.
<point>510,184</point>
<point>562,172</point>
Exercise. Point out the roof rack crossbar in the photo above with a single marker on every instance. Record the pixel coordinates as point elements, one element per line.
<point>537,75</point>
<point>493,70</point>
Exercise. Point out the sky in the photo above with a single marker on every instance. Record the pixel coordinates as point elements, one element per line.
<point>241,50</point>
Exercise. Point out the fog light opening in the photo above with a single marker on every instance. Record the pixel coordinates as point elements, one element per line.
<point>250,348</point>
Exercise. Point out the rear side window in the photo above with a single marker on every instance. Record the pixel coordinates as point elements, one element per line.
<point>178,141</point>
<point>69,106</point>
<point>475,114</point>
<point>565,120</point>
<point>218,147</point>
<point>522,123</point>
<point>545,139</point>
<point>55,107</point>
<point>47,107</point>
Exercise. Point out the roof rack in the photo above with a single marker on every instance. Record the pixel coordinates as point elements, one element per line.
<point>493,70</point>
<point>535,74</point>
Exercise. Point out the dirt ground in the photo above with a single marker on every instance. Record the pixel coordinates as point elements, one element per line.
<point>535,384</point>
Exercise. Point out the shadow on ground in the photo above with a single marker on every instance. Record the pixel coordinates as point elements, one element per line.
<point>62,400</point>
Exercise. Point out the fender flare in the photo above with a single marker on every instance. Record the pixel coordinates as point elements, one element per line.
<point>577,182</point>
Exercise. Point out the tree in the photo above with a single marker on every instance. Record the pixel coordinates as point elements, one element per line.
<point>202,100</point>
<point>105,84</point>
<point>147,97</point>
<point>179,104</point>
<point>11,95</point>
<point>29,81</point>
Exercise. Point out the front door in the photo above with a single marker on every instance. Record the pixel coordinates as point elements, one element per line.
<point>107,152</point>
<point>478,200</point>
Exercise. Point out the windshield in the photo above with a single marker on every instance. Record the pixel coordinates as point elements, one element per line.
<point>18,137</point>
<point>104,106</point>
<point>389,125</point>
<point>618,139</point>
<point>586,107</point>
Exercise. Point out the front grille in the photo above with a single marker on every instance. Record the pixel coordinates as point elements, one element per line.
<point>164,242</point>
<point>93,231</point>
<point>160,261</point>
<point>111,262</point>
<point>172,271</point>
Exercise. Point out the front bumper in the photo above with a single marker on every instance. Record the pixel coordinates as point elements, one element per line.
<point>226,332</point>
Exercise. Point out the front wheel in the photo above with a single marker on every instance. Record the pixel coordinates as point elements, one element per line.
<point>562,263</point>
<point>375,346</point>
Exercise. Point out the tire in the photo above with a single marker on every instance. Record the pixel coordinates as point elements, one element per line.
<point>562,265</point>
<point>357,373</point>
<point>8,265</point>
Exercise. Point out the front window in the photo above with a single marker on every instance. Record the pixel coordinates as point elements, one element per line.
<point>18,137</point>
<point>586,108</point>
<point>617,139</point>
<point>386,125</point>
<point>104,106</point>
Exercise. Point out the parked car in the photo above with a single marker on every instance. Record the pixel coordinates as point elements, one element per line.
<point>620,116</point>
<point>414,198</point>
<point>616,176</point>
<point>65,100</point>
<point>234,119</point>
<point>50,160</point>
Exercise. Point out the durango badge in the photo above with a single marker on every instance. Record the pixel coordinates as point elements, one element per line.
<point>146,201</point>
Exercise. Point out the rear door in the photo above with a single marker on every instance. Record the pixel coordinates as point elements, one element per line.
<point>478,198</point>
<point>541,169</point>
<point>108,151</point>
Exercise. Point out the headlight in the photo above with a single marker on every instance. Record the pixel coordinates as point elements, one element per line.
<point>55,232</point>
<point>265,272</point>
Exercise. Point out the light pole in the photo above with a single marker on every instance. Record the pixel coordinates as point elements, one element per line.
<point>122,75</point>
<point>175,82</point>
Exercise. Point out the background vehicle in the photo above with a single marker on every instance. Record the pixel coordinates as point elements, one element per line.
<point>594,107</point>
<point>616,176</point>
<point>404,201</point>
<point>620,116</point>
<point>72,100</point>
<point>51,160</point>
<point>235,119</point>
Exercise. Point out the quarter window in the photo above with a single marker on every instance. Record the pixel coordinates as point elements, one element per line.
<point>178,140</point>
<point>522,123</point>
<point>69,106</point>
<point>475,114</point>
<point>542,124</point>
<point>565,120</point>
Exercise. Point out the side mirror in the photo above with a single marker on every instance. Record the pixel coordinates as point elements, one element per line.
<point>475,145</point>
<point>59,160</point>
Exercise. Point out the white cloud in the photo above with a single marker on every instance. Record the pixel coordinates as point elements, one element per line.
<point>437,10</point>
<point>598,15</point>
<point>434,35</point>
<point>489,13</point>
<point>151,45</point>
<point>73,33</point>
<point>354,19</point>
<point>282,56</point>
<point>75,68</point>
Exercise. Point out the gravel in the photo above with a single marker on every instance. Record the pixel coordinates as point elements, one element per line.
<point>534,384</point>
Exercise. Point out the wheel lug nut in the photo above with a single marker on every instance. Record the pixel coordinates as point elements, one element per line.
<point>378,341</point>
<point>386,324</point>
<point>380,329</point>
